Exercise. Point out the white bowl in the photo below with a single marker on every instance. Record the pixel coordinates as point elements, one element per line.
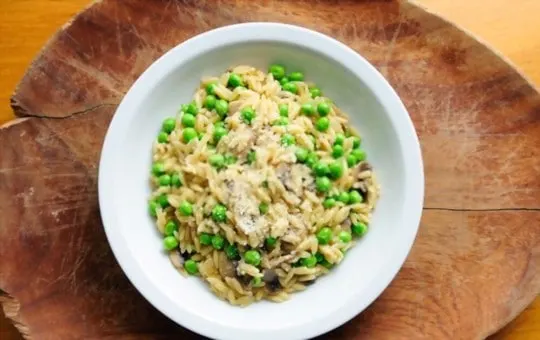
<point>388,137</point>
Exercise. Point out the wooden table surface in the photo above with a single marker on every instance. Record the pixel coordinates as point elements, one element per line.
<point>512,27</point>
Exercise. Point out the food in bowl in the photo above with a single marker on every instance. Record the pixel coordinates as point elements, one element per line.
<point>260,185</point>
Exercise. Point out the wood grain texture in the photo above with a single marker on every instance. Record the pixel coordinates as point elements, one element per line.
<point>473,267</point>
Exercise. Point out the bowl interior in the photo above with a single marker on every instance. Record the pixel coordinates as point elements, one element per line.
<point>358,279</point>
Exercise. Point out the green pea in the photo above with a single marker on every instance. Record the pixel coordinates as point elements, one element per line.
<point>252,257</point>
<point>185,208</point>
<point>309,262</point>
<point>163,137</point>
<point>283,81</point>
<point>351,161</point>
<point>219,132</point>
<point>355,197</point>
<point>231,251</point>
<point>216,160</point>
<point>222,107</point>
<point>176,181</point>
<point>158,168</point>
<point>345,236</point>
<point>263,208</point>
<point>329,203</point>
<point>251,157</point>
<point>323,109</point>
<point>189,134</point>
<point>320,257</point>
<point>324,235</point>
<point>321,169</point>
<point>336,170</point>
<point>170,242</point>
<point>359,154</point>
<point>230,159</point>
<point>288,139</point>
<point>191,267</point>
<point>337,151</point>
<point>163,201</point>
<point>219,213</point>
<point>188,120</point>
<point>312,159</point>
<point>344,197</point>
<point>192,109</point>
<point>219,124</point>
<point>356,142</point>
<point>301,155</point>
<point>210,102</point>
<point>205,239</point>
<point>284,110</point>
<point>164,180</point>
<point>282,121</point>
<point>265,184</point>
<point>170,228</point>
<point>235,80</point>
<point>218,241</point>
<point>323,184</point>
<point>152,208</point>
<point>315,92</point>
<point>184,108</point>
<point>359,229</point>
<point>290,87</point>
<point>270,242</point>
<point>308,109</point>
<point>256,282</point>
<point>211,88</point>
<point>247,114</point>
<point>168,125</point>
<point>322,124</point>
<point>340,139</point>
<point>278,71</point>
<point>296,76</point>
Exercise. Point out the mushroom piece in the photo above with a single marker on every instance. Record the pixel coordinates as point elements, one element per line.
<point>363,166</point>
<point>271,280</point>
<point>283,173</point>
<point>226,267</point>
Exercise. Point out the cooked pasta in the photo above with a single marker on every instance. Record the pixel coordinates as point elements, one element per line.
<point>259,185</point>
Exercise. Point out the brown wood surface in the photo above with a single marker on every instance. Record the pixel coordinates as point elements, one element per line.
<point>474,266</point>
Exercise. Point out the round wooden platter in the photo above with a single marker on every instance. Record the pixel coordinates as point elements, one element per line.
<point>476,261</point>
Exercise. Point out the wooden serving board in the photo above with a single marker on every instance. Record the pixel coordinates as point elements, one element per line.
<point>476,261</point>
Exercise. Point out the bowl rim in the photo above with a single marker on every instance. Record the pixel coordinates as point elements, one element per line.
<point>266,32</point>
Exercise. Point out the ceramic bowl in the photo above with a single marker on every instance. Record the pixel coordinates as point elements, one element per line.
<point>376,112</point>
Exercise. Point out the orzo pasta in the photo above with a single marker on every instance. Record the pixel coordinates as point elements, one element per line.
<point>259,184</point>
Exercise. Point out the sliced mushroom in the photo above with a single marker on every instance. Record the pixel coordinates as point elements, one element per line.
<point>271,280</point>
<point>283,173</point>
<point>287,247</point>
<point>361,186</point>
<point>226,267</point>
<point>363,166</point>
